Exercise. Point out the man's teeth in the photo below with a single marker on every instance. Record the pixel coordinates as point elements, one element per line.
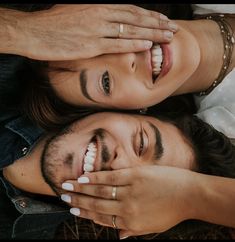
<point>156,53</point>
<point>89,158</point>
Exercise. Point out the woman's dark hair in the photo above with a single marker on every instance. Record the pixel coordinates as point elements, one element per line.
<point>41,103</point>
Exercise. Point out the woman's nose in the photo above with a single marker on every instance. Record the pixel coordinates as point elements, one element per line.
<point>130,62</point>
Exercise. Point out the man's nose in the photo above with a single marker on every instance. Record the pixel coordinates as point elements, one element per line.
<point>120,160</point>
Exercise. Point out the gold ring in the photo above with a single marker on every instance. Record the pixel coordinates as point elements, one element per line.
<point>121,29</point>
<point>114,221</point>
<point>114,193</point>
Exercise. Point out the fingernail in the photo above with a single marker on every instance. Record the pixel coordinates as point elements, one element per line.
<point>67,186</point>
<point>168,35</point>
<point>66,198</point>
<point>75,211</point>
<point>164,17</point>
<point>124,237</point>
<point>148,44</point>
<point>173,26</point>
<point>83,179</point>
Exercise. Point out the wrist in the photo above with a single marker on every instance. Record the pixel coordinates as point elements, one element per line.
<point>190,197</point>
<point>213,200</point>
<point>11,31</point>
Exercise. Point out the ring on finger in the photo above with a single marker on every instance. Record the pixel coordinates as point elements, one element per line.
<point>114,193</point>
<point>121,30</point>
<point>114,221</point>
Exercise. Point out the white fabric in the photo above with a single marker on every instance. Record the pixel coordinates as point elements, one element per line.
<point>218,107</point>
<point>213,8</point>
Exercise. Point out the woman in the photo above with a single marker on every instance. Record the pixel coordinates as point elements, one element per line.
<point>36,36</point>
<point>136,80</point>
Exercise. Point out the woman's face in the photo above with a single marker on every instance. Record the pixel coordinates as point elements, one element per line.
<point>131,80</point>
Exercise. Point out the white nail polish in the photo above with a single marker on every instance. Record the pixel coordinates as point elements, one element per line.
<point>75,211</point>
<point>67,186</point>
<point>83,180</point>
<point>66,198</point>
<point>124,237</point>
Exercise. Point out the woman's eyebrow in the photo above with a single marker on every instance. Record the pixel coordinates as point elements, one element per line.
<point>83,85</point>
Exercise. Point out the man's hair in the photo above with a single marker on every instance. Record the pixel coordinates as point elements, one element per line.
<point>214,153</point>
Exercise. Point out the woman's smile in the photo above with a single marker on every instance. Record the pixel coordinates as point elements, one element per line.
<point>131,80</point>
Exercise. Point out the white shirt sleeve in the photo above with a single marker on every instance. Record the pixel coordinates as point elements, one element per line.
<point>213,8</point>
<point>218,107</point>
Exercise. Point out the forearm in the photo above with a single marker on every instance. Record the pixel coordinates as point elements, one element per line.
<point>10,37</point>
<point>213,200</point>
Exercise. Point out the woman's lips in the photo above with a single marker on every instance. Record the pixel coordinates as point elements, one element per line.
<point>149,62</point>
<point>167,60</point>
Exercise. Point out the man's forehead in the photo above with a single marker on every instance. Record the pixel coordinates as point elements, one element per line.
<point>96,121</point>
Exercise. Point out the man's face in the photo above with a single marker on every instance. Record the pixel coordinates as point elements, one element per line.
<point>111,141</point>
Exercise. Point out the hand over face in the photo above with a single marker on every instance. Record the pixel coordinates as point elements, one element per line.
<point>68,32</point>
<point>148,199</point>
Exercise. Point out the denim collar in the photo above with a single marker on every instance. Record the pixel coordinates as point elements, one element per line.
<point>27,130</point>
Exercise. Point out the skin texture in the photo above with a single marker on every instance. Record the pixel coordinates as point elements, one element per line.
<point>129,74</point>
<point>111,78</point>
<point>69,32</point>
<point>122,143</point>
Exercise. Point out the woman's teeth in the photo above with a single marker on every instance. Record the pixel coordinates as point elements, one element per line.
<point>89,158</point>
<point>156,54</point>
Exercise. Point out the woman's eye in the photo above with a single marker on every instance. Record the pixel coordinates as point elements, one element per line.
<point>106,83</point>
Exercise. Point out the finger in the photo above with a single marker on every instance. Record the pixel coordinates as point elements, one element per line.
<point>102,219</point>
<point>93,204</point>
<point>139,10</point>
<point>107,46</point>
<point>132,8</point>
<point>115,177</point>
<point>141,20</point>
<point>101,191</point>
<point>134,32</point>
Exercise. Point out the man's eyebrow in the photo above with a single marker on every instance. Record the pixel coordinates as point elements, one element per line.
<point>158,148</point>
<point>83,84</point>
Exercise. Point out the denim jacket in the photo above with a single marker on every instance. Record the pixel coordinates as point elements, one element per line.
<point>33,218</point>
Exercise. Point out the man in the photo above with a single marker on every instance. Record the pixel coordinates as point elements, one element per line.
<point>107,141</point>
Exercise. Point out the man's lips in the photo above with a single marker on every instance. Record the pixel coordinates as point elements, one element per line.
<point>91,159</point>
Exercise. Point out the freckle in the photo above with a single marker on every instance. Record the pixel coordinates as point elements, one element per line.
<point>22,174</point>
